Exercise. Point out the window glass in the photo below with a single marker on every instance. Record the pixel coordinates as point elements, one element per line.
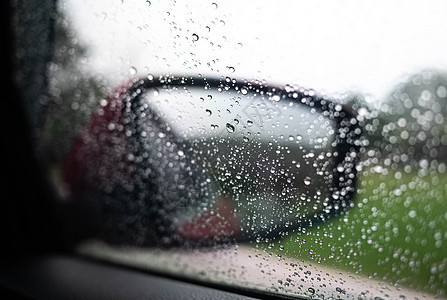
<point>288,147</point>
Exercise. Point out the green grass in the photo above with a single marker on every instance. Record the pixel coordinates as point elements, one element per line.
<point>396,232</point>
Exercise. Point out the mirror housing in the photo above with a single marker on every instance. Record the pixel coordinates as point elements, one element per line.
<point>140,180</point>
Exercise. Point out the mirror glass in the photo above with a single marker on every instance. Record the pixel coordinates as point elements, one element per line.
<point>232,163</point>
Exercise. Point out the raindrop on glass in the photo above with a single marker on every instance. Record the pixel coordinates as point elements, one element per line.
<point>307,180</point>
<point>133,71</point>
<point>230,128</point>
<point>231,69</point>
<point>441,91</point>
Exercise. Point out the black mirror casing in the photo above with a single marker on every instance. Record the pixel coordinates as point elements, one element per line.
<point>128,204</point>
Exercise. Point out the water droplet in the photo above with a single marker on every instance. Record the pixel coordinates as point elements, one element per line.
<point>180,153</point>
<point>244,91</point>
<point>246,139</point>
<point>441,91</point>
<point>214,5</point>
<point>133,71</point>
<point>195,37</point>
<point>231,69</point>
<point>148,3</point>
<point>209,112</point>
<point>249,123</point>
<point>307,180</point>
<point>311,290</point>
<point>230,128</point>
<point>75,105</point>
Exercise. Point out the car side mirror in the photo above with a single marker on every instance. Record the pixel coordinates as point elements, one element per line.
<point>175,161</point>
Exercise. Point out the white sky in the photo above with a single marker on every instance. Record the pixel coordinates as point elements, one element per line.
<point>330,46</point>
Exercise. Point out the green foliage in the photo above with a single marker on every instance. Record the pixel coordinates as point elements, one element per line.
<point>395,232</point>
<point>414,117</point>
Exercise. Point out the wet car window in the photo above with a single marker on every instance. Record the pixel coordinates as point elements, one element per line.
<point>294,148</point>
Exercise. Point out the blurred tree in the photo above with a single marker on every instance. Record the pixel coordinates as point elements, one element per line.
<point>73,92</point>
<point>414,119</point>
